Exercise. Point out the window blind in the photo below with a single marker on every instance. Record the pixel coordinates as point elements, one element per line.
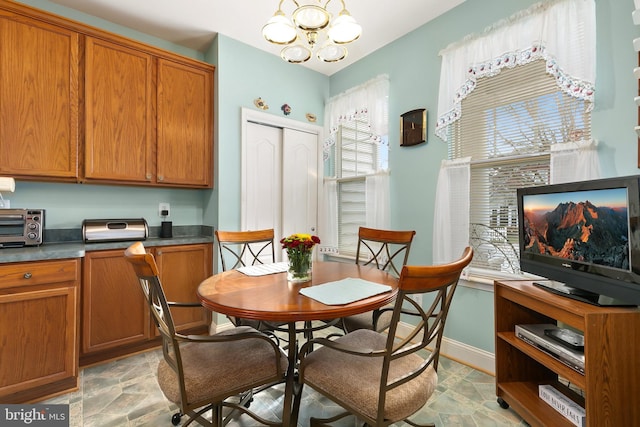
<point>508,125</point>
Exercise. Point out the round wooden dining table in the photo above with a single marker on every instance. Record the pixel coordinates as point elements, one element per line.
<point>271,298</point>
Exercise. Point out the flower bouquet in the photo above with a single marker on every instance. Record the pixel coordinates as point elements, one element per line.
<point>299,248</point>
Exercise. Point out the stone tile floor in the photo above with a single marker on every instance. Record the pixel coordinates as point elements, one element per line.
<point>124,393</point>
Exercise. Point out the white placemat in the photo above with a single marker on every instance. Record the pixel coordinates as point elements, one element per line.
<point>344,291</point>
<point>264,269</point>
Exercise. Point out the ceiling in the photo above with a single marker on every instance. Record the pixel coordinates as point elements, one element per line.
<point>195,23</point>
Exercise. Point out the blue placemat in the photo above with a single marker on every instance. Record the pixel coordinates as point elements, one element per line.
<point>344,291</point>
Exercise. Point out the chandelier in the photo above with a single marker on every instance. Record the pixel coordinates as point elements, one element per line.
<point>311,25</point>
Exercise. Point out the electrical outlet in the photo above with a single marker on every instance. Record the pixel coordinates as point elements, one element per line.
<point>4,204</point>
<point>162,207</point>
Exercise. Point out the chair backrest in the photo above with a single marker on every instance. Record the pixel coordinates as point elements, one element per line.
<point>439,281</point>
<point>388,250</point>
<point>146,269</point>
<point>245,247</point>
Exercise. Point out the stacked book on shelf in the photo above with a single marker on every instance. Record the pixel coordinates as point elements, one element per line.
<point>561,403</point>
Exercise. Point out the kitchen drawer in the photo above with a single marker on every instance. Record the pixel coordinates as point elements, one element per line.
<point>38,273</point>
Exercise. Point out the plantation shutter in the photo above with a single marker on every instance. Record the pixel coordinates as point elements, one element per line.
<point>357,157</point>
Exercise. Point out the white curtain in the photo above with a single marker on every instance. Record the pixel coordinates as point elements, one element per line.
<point>562,32</point>
<point>370,99</point>
<point>451,210</point>
<point>377,200</point>
<point>329,240</point>
<point>574,161</point>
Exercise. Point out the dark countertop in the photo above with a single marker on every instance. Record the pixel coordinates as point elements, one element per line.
<point>77,249</point>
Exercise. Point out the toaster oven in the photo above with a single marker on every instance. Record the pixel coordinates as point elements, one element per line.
<point>21,227</point>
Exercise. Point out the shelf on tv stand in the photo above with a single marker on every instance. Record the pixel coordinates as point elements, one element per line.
<point>611,382</point>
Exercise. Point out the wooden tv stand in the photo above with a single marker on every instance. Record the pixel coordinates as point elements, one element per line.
<point>611,382</point>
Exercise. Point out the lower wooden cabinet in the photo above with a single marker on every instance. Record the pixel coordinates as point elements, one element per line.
<point>182,269</point>
<point>115,317</point>
<point>114,312</point>
<point>38,329</point>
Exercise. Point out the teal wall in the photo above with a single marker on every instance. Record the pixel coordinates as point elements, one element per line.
<point>413,65</point>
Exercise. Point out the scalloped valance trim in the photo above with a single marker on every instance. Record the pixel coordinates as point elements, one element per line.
<point>330,141</point>
<point>571,86</point>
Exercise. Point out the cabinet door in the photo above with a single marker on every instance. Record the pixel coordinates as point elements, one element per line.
<point>38,99</point>
<point>182,269</point>
<point>185,124</point>
<point>38,329</point>
<point>39,336</point>
<point>119,119</point>
<point>114,311</point>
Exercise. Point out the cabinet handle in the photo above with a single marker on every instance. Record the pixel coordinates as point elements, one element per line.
<point>160,177</point>
<point>149,176</point>
<point>27,275</point>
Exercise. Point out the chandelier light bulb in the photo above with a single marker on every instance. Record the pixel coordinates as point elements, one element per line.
<point>344,29</point>
<point>279,29</point>
<point>311,17</point>
<point>296,54</point>
<point>332,53</point>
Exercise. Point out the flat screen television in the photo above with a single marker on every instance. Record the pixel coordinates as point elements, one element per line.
<point>583,239</point>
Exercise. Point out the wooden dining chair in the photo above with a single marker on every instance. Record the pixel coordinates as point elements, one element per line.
<point>379,377</point>
<point>387,250</point>
<point>245,248</point>
<point>242,248</point>
<point>201,373</point>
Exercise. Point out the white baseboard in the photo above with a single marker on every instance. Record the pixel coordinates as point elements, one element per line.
<point>458,351</point>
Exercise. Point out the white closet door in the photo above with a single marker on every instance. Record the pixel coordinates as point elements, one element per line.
<point>262,178</point>
<point>279,181</point>
<point>299,182</point>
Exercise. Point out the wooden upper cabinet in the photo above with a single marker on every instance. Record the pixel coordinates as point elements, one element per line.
<point>38,99</point>
<point>147,119</point>
<point>185,124</point>
<point>119,119</point>
<point>79,104</point>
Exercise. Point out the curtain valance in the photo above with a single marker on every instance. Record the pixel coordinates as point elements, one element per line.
<point>369,100</point>
<point>562,32</point>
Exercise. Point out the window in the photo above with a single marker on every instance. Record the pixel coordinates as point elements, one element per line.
<point>508,125</point>
<point>356,157</point>
<point>356,184</point>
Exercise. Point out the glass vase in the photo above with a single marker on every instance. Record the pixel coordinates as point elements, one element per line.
<point>300,265</point>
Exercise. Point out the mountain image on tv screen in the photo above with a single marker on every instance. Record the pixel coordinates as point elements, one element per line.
<point>586,226</point>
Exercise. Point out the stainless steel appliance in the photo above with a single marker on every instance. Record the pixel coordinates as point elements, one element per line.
<point>114,230</point>
<point>21,227</point>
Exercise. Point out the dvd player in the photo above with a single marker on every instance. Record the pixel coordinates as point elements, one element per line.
<point>534,334</point>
